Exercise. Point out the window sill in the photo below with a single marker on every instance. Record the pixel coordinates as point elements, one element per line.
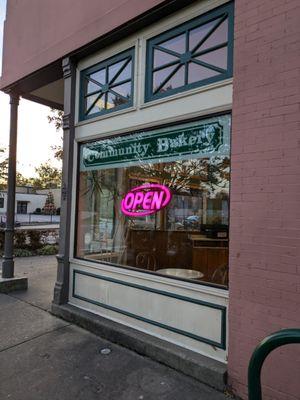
<point>152,278</point>
<point>187,93</point>
<point>105,116</point>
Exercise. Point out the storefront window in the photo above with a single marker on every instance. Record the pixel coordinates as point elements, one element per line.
<point>158,201</point>
<point>107,86</point>
<point>193,54</point>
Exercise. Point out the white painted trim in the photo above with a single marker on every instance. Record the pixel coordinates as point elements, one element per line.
<point>187,93</point>
<point>106,116</point>
<point>216,354</point>
<point>139,41</point>
<point>181,16</point>
<point>198,102</point>
<point>108,52</point>
<point>193,105</point>
<point>175,283</point>
<point>102,56</point>
<point>177,338</point>
<point>156,28</point>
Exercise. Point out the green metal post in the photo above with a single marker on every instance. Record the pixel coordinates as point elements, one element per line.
<point>277,339</point>
<point>8,257</point>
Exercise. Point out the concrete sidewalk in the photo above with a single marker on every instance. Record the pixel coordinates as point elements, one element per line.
<point>45,358</point>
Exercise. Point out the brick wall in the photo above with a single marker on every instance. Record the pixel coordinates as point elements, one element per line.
<point>265,192</point>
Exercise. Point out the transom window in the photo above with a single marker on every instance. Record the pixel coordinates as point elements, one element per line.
<point>107,86</point>
<point>193,54</point>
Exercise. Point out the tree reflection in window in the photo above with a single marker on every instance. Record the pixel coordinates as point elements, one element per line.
<point>193,54</point>
<point>207,177</point>
<point>190,232</point>
<point>107,86</point>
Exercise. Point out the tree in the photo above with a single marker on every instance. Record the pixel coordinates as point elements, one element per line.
<point>49,207</point>
<point>56,118</point>
<point>47,176</point>
<point>20,179</point>
<point>58,152</point>
<point>3,168</point>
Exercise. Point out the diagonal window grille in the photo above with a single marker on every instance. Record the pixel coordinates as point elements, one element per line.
<point>194,54</point>
<point>107,86</point>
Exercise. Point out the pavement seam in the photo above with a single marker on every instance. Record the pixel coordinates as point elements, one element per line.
<point>27,302</point>
<point>42,334</point>
<point>34,337</point>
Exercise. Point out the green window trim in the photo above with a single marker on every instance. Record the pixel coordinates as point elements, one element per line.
<point>106,83</point>
<point>185,60</point>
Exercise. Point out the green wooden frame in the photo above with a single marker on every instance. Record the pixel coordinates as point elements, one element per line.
<point>224,12</point>
<point>118,266</point>
<point>128,54</point>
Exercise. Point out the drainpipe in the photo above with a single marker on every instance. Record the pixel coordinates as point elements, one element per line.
<point>8,258</point>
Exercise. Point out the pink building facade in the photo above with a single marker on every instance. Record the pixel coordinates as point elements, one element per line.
<point>264,252</point>
<point>199,100</point>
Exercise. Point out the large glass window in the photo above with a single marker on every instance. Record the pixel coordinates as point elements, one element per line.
<point>158,201</point>
<point>193,54</point>
<point>107,86</point>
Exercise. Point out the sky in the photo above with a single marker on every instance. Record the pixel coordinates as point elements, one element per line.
<point>34,138</point>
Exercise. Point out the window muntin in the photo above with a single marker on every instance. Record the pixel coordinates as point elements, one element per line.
<point>22,207</point>
<point>107,86</point>
<point>187,239</point>
<point>196,53</point>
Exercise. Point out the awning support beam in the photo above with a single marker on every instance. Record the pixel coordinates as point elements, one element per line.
<point>61,289</point>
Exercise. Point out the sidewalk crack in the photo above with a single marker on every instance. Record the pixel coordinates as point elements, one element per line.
<point>30,304</point>
<point>34,337</point>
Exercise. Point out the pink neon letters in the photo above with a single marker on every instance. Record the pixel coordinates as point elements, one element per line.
<point>145,200</point>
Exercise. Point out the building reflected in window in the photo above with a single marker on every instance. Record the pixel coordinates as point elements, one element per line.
<point>188,238</point>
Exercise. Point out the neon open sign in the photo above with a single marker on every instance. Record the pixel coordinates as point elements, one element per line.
<point>145,200</point>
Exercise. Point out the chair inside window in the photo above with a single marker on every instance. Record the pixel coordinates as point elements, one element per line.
<point>146,260</point>
<point>220,275</point>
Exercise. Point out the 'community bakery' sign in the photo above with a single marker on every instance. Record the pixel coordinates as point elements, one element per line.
<point>199,139</point>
